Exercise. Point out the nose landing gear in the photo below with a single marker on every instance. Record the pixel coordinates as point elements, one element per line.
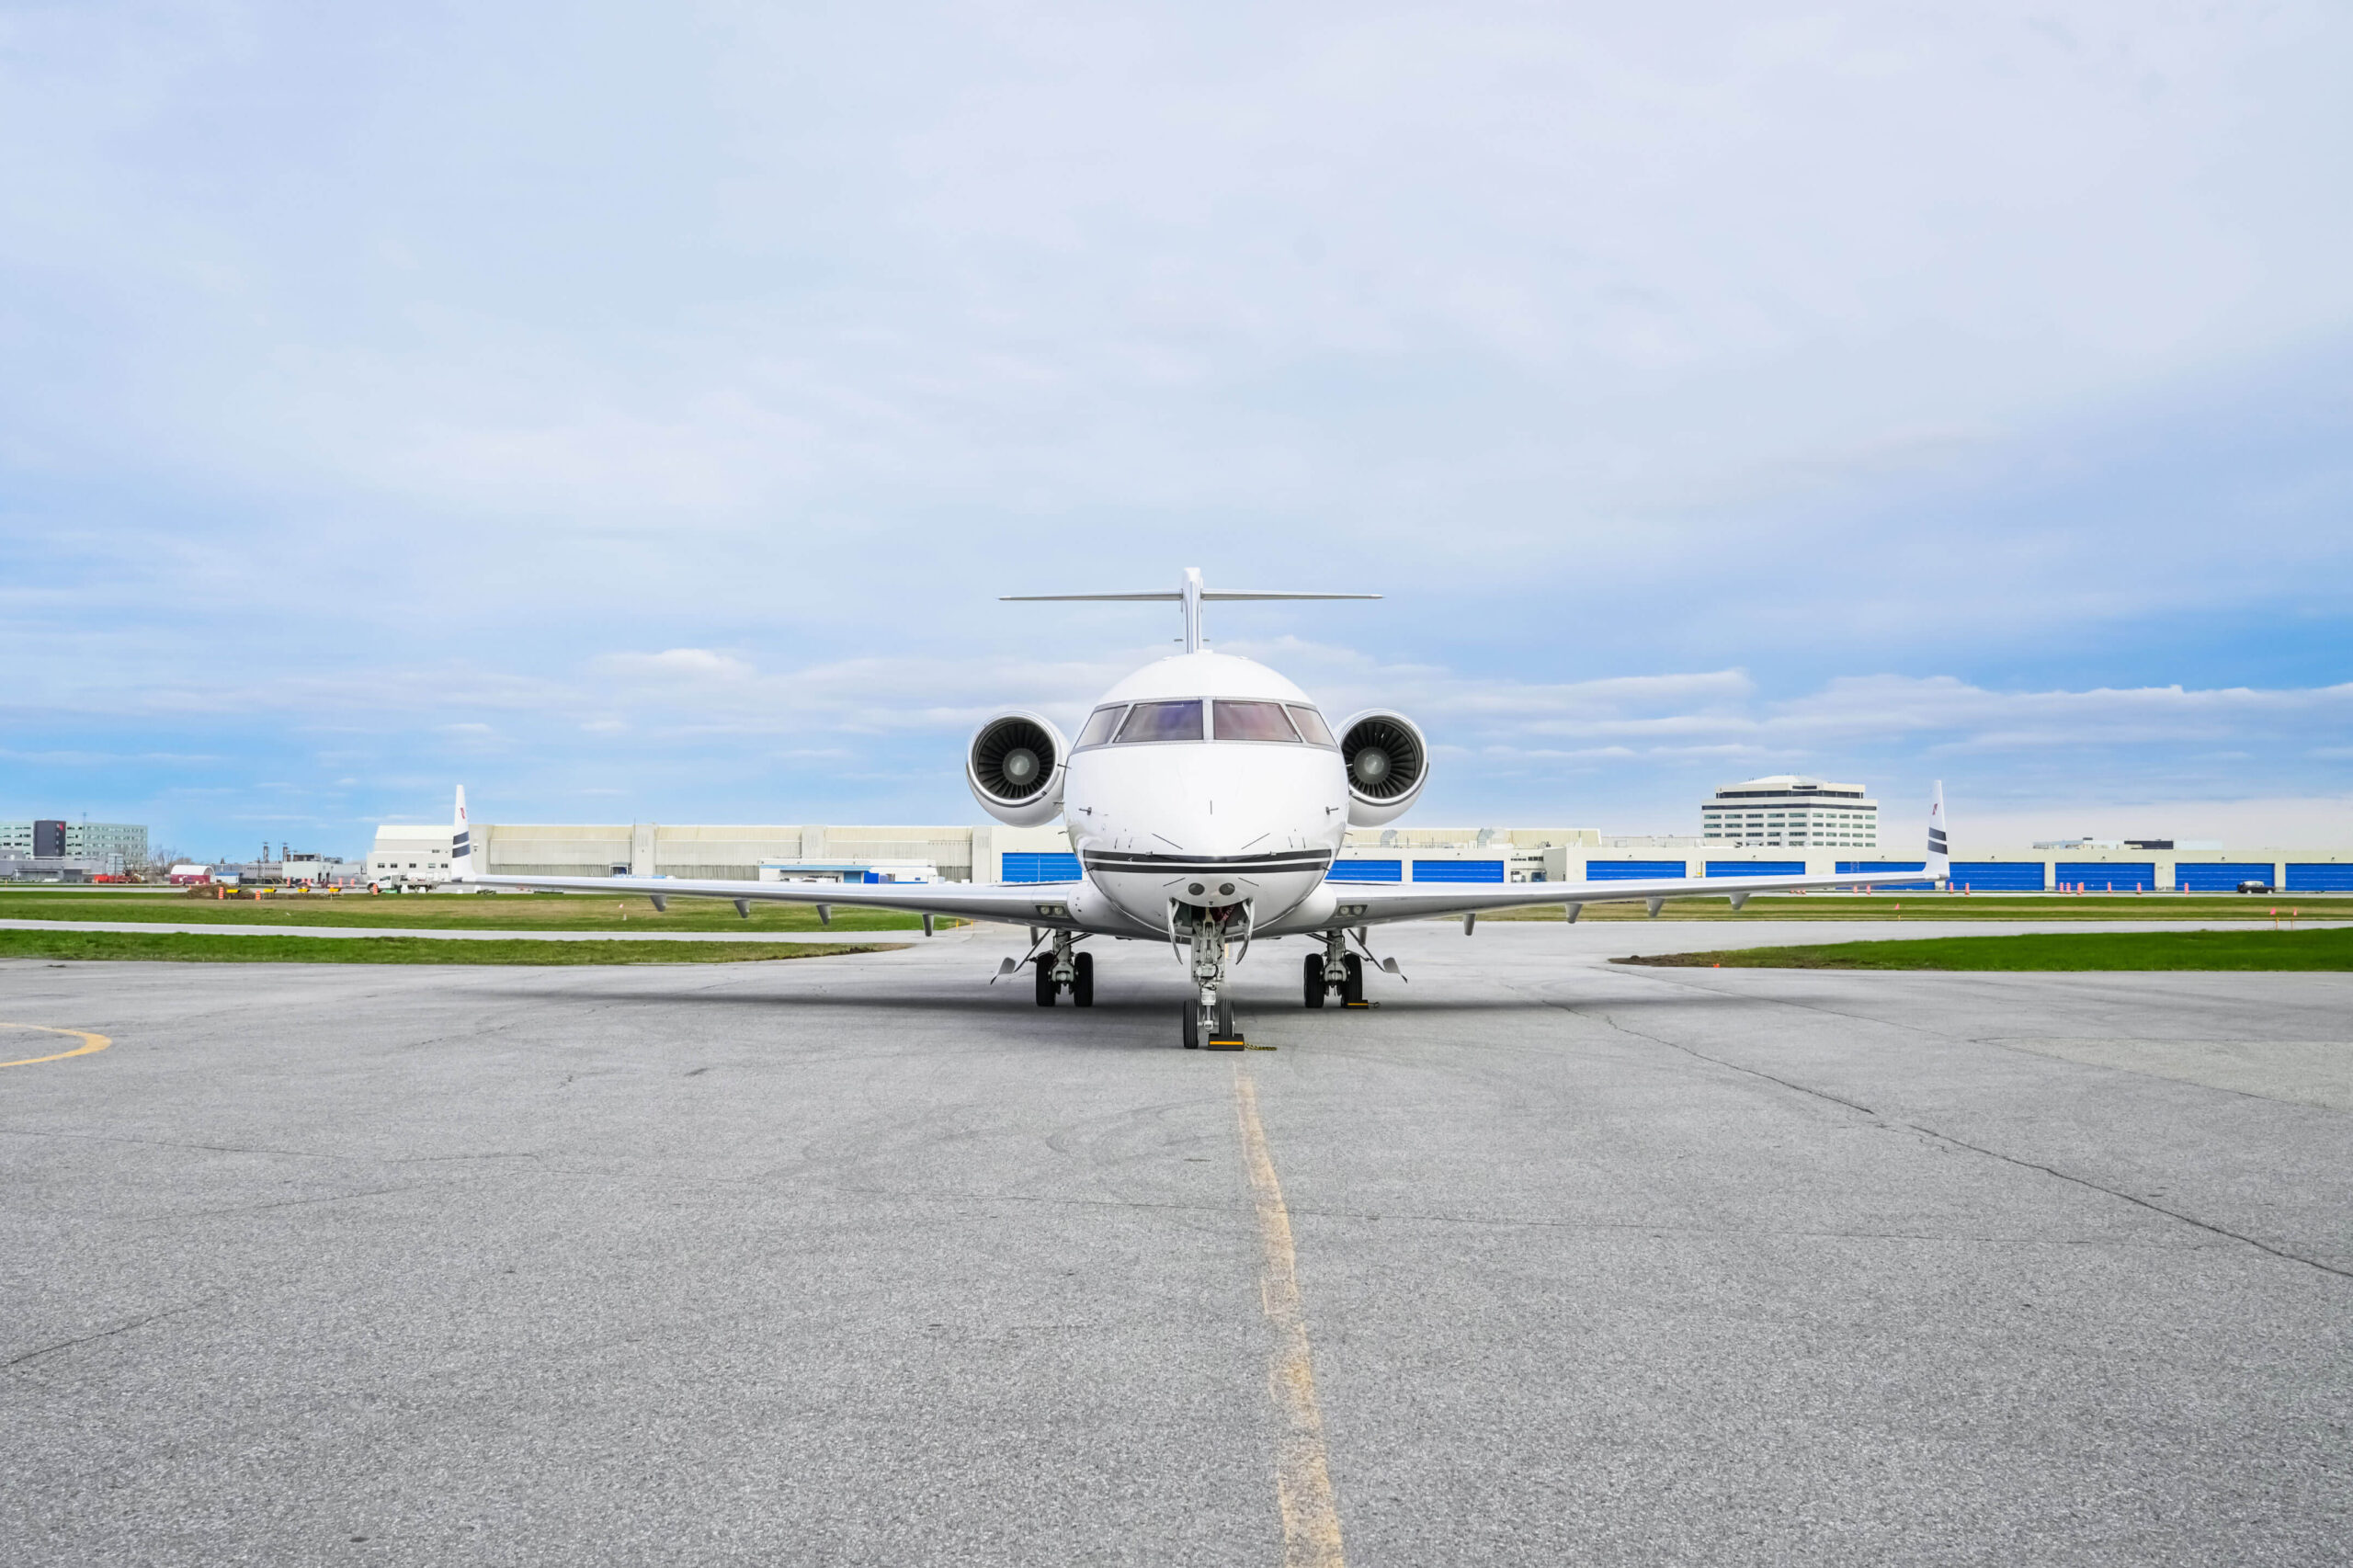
<point>1208,1014</point>
<point>1210,1021</point>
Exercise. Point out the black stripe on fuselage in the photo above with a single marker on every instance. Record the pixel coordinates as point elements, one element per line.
<point>1171,865</point>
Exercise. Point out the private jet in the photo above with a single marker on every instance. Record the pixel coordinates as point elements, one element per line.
<point>1207,798</point>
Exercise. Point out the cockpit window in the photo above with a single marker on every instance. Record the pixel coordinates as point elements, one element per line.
<point>1099,726</point>
<point>1254,721</point>
<point>1161,722</point>
<point>1310,724</point>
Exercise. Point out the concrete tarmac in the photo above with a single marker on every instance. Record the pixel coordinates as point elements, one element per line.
<point>862,1260</point>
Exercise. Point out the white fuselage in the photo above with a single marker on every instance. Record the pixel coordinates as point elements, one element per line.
<point>1208,814</point>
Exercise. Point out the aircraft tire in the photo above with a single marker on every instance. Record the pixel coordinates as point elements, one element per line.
<point>1045,984</point>
<point>1312,987</point>
<point>1225,1018</point>
<point>1082,985</point>
<point>1192,1018</point>
<point>1352,988</point>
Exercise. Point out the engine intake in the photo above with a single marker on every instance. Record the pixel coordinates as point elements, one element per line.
<point>1388,763</point>
<point>1015,766</point>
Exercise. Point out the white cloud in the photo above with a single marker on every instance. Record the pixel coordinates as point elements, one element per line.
<point>674,665</point>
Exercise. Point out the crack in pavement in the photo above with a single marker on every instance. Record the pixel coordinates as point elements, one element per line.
<point>177,1143</point>
<point>2129,1198</point>
<point>264,1208</point>
<point>1665,1227</point>
<point>1019,1198</point>
<point>1949,1140</point>
<point>109,1333</point>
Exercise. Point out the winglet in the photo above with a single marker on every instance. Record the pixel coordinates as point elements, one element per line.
<point>1939,857</point>
<point>461,847</point>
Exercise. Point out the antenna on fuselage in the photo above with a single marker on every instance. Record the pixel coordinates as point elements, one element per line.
<point>1191,594</point>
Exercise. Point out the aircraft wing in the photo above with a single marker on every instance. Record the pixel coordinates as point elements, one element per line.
<point>1380,902</point>
<point>1371,904</point>
<point>1015,903</point>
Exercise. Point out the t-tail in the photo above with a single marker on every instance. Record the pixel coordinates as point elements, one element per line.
<point>462,844</point>
<point>1191,593</point>
<point>1939,857</point>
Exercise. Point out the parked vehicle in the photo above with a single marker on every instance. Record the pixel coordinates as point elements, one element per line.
<point>2253,886</point>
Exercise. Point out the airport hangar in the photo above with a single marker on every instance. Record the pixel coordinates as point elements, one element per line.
<point>419,855</point>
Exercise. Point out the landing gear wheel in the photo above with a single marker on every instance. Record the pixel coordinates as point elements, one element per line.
<point>1312,985</point>
<point>1082,985</point>
<point>1225,1018</point>
<point>1192,1025</point>
<point>1045,984</point>
<point>1352,988</point>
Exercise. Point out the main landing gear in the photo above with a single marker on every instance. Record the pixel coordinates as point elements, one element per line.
<point>1332,969</point>
<point>1066,971</point>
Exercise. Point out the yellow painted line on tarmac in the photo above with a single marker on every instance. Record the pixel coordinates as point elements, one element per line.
<point>90,1042</point>
<point>1302,1471</point>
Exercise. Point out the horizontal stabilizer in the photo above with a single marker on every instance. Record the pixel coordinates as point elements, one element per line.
<point>1191,594</point>
<point>1171,599</point>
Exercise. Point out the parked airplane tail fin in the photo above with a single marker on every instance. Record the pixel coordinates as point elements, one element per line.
<point>461,851</point>
<point>1940,856</point>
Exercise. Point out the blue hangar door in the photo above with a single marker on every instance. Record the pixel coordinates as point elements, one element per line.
<point>1458,870</point>
<point>2107,876</point>
<point>1872,868</point>
<point>1997,876</point>
<point>2319,876</point>
<point>2223,876</point>
<point>1630,871</point>
<point>1027,866</point>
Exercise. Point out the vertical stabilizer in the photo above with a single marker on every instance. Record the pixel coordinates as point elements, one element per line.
<point>1939,857</point>
<point>461,846</point>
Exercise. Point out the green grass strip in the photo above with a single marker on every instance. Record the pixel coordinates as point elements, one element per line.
<point>2053,907</point>
<point>2273,951</point>
<point>445,912</point>
<point>173,947</point>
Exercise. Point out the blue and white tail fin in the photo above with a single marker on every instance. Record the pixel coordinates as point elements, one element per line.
<point>462,844</point>
<point>1940,856</point>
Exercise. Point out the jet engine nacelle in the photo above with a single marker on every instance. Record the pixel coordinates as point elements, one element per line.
<point>1388,763</point>
<point>1015,766</point>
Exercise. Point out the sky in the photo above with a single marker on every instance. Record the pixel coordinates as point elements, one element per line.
<point>635,412</point>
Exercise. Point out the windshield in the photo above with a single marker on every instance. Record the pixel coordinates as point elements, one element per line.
<point>1161,722</point>
<point>1310,724</point>
<point>1098,727</point>
<point>1254,721</point>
